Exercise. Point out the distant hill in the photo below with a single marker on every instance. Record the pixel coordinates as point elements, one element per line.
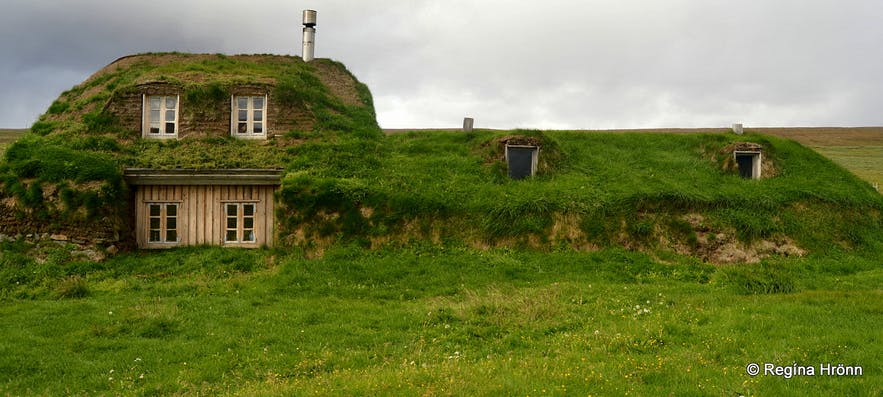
<point>7,136</point>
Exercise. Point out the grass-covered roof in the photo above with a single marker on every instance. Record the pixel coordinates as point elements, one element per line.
<point>332,99</point>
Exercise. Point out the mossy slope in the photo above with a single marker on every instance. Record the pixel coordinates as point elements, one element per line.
<point>662,193</point>
<point>68,170</point>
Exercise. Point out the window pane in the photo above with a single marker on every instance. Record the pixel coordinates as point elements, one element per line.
<point>248,209</point>
<point>154,210</point>
<point>171,223</point>
<point>248,223</point>
<point>170,115</point>
<point>154,223</point>
<point>231,223</point>
<point>258,115</point>
<point>171,102</point>
<point>242,102</point>
<point>154,115</point>
<point>172,210</point>
<point>258,102</point>
<point>243,115</point>
<point>170,128</point>
<point>232,210</point>
<point>154,102</point>
<point>171,236</point>
<point>258,128</point>
<point>242,128</point>
<point>231,235</point>
<point>154,235</point>
<point>249,236</point>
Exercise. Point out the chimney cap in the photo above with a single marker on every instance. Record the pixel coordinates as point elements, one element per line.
<point>309,18</point>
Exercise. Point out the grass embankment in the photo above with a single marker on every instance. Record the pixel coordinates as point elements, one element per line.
<point>434,321</point>
<point>643,191</point>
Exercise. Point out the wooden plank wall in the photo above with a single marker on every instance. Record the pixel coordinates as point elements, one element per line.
<point>201,213</point>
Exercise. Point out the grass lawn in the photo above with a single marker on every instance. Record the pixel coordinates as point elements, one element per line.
<point>435,321</point>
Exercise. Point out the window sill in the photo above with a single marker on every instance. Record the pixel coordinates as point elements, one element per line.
<point>157,245</point>
<point>240,245</point>
<point>250,136</point>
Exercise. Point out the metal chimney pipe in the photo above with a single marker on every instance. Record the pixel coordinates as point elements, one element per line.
<point>309,35</point>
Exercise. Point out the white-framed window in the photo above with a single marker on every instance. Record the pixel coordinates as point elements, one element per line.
<point>162,223</point>
<point>160,116</point>
<point>249,119</point>
<point>239,223</point>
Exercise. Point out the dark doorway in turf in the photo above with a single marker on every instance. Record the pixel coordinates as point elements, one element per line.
<point>749,164</point>
<point>522,160</point>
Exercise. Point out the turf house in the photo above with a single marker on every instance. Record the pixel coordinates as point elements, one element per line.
<point>166,150</point>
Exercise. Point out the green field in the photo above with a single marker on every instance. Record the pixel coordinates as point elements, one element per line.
<point>866,162</point>
<point>859,150</point>
<point>424,320</point>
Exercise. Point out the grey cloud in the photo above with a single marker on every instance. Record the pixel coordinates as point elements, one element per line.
<point>550,64</point>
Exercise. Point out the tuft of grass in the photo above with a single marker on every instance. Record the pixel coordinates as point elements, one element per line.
<point>765,278</point>
<point>58,107</point>
<point>72,287</point>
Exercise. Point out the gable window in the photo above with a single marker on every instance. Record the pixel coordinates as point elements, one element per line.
<point>160,116</point>
<point>162,223</point>
<point>249,117</point>
<point>239,225</point>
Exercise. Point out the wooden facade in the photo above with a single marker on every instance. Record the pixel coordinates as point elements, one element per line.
<point>193,207</point>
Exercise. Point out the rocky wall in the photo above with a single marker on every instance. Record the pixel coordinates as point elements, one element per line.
<point>207,116</point>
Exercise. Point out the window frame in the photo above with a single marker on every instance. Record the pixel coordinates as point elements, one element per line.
<point>239,229</point>
<point>146,119</point>
<point>534,159</point>
<point>163,217</point>
<point>756,163</point>
<point>250,109</point>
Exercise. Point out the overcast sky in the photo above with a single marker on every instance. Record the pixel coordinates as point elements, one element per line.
<point>589,64</point>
